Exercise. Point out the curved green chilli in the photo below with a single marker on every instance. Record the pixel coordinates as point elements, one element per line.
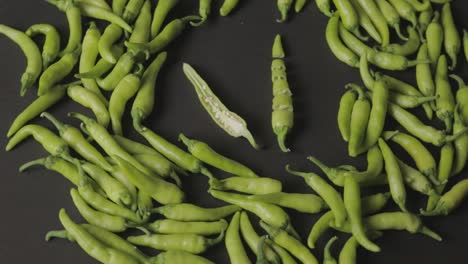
<point>57,164</point>
<point>58,71</point>
<point>102,137</point>
<point>90,100</point>
<point>424,132</point>
<point>233,242</point>
<point>190,212</point>
<point>75,139</point>
<point>109,222</point>
<point>31,51</point>
<point>111,35</point>
<point>228,6</point>
<point>233,124</point>
<point>327,256</point>
<point>411,101</point>
<point>415,180</point>
<point>344,113</point>
<point>352,202</point>
<point>143,104</point>
<point>41,104</point>
<point>91,245</point>
<point>359,121</point>
<point>206,154</point>
<point>269,213</point>
<point>132,9</point>
<point>142,28</point>
<point>75,29</point>
<point>284,256</point>
<point>123,92</point>
<point>327,192</point>
<point>365,21</point>
<point>291,244</point>
<point>301,202</point>
<point>337,47</point>
<point>451,200</point>
<point>462,98</point>
<point>324,7</point>
<point>348,253</point>
<point>100,13</point>
<point>391,16</point>
<point>409,47</point>
<point>348,16</point>
<point>88,58</point>
<point>204,11</point>
<point>434,39</point>
<point>261,185</point>
<point>424,74</point>
<point>282,117</point>
<point>102,66</point>
<point>373,11</point>
<point>445,102</point>
<point>283,7</point>
<point>368,177</point>
<point>161,11</point>
<point>452,41</point>
<point>394,175</point>
<point>181,158</point>
<point>405,10</point>
<point>123,67</point>
<point>252,239</point>
<point>168,226</point>
<point>161,191</point>
<point>190,243</point>
<point>460,144</point>
<point>51,47</point>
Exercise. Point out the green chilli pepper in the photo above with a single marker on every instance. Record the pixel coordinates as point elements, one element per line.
<point>118,6</point>
<point>31,51</point>
<point>364,21</point>
<point>392,17</point>
<point>123,92</point>
<point>415,180</point>
<point>325,7</point>
<point>374,13</point>
<point>204,10</point>
<point>123,67</point>
<point>189,212</point>
<point>161,11</point>
<point>434,39</point>
<point>160,190</point>
<point>143,104</point>
<point>73,14</point>
<point>336,45</point>
<point>142,28</point>
<point>282,118</point>
<point>326,191</point>
<point>206,154</point>
<point>348,253</point>
<point>261,185</point>
<point>359,121</point>
<point>327,256</point>
<point>462,98</point>
<point>111,35</point>
<point>451,200</point>
<point>132,9</point>
<point>51,47</point>
<point>90,100</point>
<point>233,242</point>
<point>102,66</point>
<point>465,43</point>
<point>168,226</point>
<point>114,189</point>
<point>272,214</point>
<point>88,58</point>
<point>299,5</point>
<point>106,141</point>
<point>394,175</point>
<point>460,144</point>
<point>93,246</point>
<point>252,239</point>
<point>424,74</point>
<point>344,113</point>
<point>233,124</point>
<point>349,17</point>
<point>285,257</point>
<point>301,202</point>
<point>352,199</point>
<point>228,6</point>
<point>100,13</point>
<point>418,6</point>
<point>190,243</point>
<point>424,19</point>
<point>41,104</point>
<point>174,153</point>
<point>58,71</point>
<point>291,244</point>
<point>409,47</point>
<point>179,256</point>
<point>452,41</point>
<point>405,10</point>
<point>283,7</point>
<point>445,102</point>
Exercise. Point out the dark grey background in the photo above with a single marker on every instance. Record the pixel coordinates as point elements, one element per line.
<point>233,54</point>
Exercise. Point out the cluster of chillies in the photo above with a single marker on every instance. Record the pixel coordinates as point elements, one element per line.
<point>116,191</point>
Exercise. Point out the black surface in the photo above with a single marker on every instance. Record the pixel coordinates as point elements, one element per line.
<point>233,54</point>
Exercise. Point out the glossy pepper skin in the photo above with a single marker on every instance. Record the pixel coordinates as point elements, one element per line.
<point>51,47</point>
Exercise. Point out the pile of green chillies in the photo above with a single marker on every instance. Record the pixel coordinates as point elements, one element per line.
<point>120,184</point>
